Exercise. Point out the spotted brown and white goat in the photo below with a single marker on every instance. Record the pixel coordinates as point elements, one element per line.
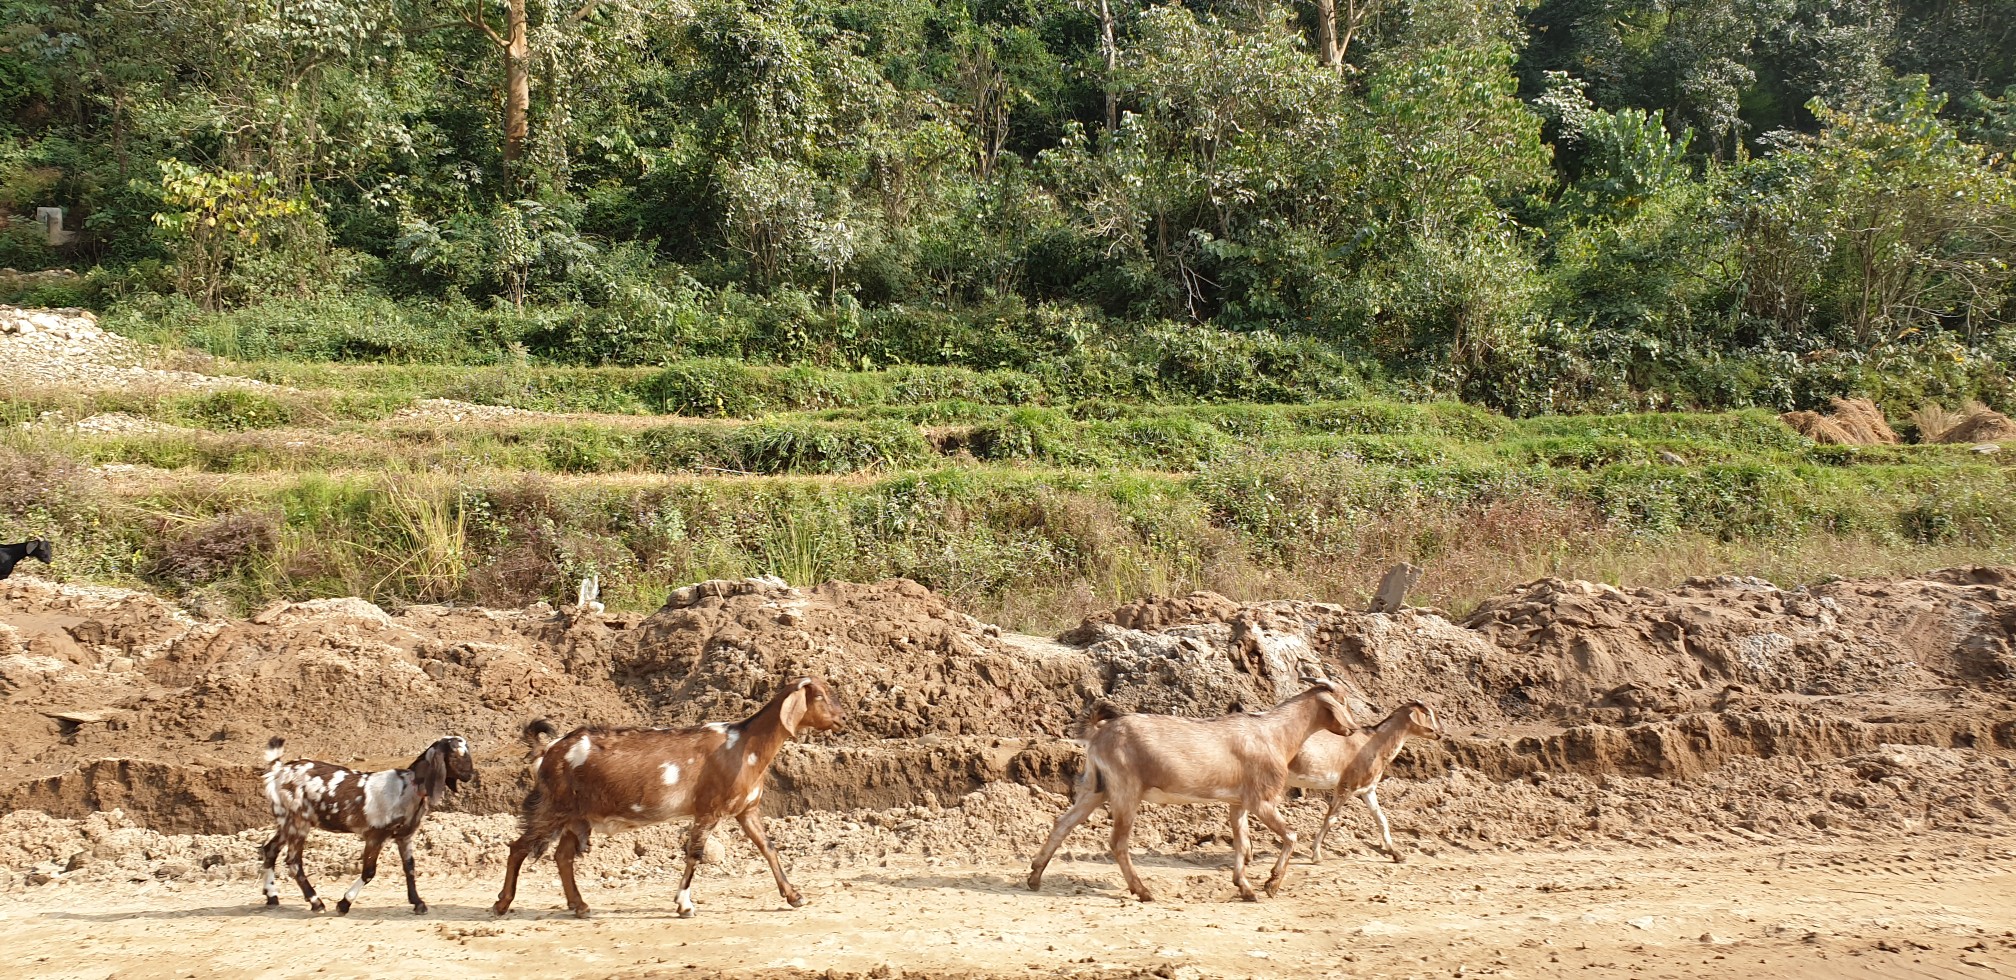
<point>616,779</point>
<point>377,806</point>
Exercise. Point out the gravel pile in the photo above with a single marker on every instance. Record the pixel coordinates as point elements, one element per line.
<point>65,348</point>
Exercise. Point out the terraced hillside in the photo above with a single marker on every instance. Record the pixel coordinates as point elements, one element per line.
<point>234,484</point>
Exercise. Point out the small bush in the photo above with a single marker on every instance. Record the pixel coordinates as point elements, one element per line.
<point>786,447</point>
<point>216,549</point>
<point>236,409</point>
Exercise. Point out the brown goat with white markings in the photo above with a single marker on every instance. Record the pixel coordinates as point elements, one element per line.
<point>616,779</point>
<point>1239,759</point>
<point>377,806</point>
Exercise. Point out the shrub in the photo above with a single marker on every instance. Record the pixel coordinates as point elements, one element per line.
<point>219,548</point>
<point>236,409</point>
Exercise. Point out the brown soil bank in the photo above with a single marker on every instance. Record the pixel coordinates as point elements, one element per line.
<point>117,699</point>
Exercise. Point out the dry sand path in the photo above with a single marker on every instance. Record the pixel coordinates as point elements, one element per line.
<point>1938,905</point>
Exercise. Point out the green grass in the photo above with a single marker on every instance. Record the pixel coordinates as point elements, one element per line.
<point>977,483</point>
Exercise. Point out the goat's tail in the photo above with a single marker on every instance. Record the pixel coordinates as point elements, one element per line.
<point>275,747</point>
<point>1100,714</point>
<point>538,734</point>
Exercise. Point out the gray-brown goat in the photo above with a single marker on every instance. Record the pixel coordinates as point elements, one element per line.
<point>615,779</point>
<point>1239,759</point>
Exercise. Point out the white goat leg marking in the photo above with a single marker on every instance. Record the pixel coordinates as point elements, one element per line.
<point>355,888</point>
<point>272,888</point>
<point>685,900</point>
<point>671,771</point>
<point>578,753</point>
<point>1372,800</point>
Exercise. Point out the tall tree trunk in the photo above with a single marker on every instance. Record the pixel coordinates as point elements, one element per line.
<point>1328,53</point>
<point>517,93</point>
<point>1111,45</point>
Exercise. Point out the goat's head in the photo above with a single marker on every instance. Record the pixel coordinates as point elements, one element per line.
<point>1336,717</point>
<point>1421,720</point>
<point>808,704</point>
<point>39,548</point>
<point>445,766</point>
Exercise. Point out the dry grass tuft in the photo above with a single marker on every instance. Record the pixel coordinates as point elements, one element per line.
<point>1853,422</point>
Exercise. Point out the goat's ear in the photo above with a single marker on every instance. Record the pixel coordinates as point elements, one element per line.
<point>431,770</point>
<point>793,711</point>
<point>1340,715</point>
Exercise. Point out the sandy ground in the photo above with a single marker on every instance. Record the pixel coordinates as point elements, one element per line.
<point>1935,905</point>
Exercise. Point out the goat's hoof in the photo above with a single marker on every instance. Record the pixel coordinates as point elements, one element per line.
<point>342,906</point>
<point>1035,881</point>
<point>419,908</point>
<point>687,912</point>
<point>1272,888</point>
<point>315,905</point>
<point>1249,895</point>
<point>272,900</point>
<point>581,912</point>
<point>1398,858</point>
<point>797,901</point>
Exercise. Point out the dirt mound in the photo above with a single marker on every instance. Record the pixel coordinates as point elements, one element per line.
<point>1852,422</point>
<point>114,698</point>
<point>1985,425</point>
<point>1600,653</point>
<point>1158,612</point>
<point>110,698</point>
<point>905,662</point>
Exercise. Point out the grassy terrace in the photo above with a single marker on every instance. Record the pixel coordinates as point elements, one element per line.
<point>1027,505</point>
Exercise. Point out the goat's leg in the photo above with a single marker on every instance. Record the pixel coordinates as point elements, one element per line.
<point>1270,816</point>
<point>1242,851</point>
<point>520,850</point>
<point>295,842</point>
<point>1088,801</point>
<point>406,865</point>
<point>268,856</point>
<point>696,846</point>
<point>1371,797</point>
<point>563,855</point>
<point>1330,818</point>
<point>373,843</point>
<point>1123,830</point>
<point>752,828</point>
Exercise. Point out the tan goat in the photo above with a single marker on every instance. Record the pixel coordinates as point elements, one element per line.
<point>616,779</point>
<point>1353,765</point>
<point>1237,759</point>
